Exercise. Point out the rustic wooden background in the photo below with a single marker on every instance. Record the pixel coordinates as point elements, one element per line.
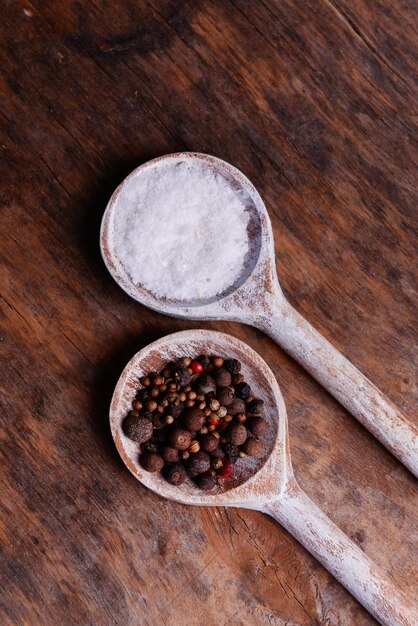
<point>314,101</point>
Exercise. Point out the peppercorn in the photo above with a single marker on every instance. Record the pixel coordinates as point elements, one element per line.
<point>169,454</point>
<point>137,428</point>
<point>257,426</point>
<point>174,473</point>
<point>194,446</point>
<point>217,361</point>
<point>203,360</point>
<point>202,405</point>
<point>186,360</point>
<point>243,390</point>
<point>222,411</point>
<point>145,381</point>
<point>137,405</point>
<point>225,395</point>
<point>208,411</point>
<point>151,462</point>
<point>167,419</point>
<point>193,418</point>
<point>166,372</point>
<point>156,420</point>
<point>240,418</point>
<point>177,410</point>
<point>237,434</point>
<point>154,392</point>
<point>151,405</point>
<point>214,419</point>
<point>223,378</point>
<point>232,452</point>
<point>209,442</point>
<point>181,374</point>
<point>185,454</point>
<point>205,481</point>
<point>255,407</point>
<point>211,427</point>
<point>142,395</point>
<point>149,446</point>
<point>205,384</point>
<point>198,463</point>
<point>180,438</point>
<point>134,413</point>
<point>203,430</point>
<point>218,453</point>
<point>232,365</point>
<point>214,404</point>
<point>238,406</point>
<point>253,447</point>
<point>190,403</point>
<point>237,379</point>
<point>196,367</point>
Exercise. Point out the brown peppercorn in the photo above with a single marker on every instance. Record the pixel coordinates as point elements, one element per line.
<point>186,360</point>
<point>187,388</point>
<point>232,365</point>
<point>238,406</point>
<point>137,405</point>
<point>211,427</point>
<point>151,405</point>
<point>205,481</point>
<point>223,378</point>
<point>237,379</point>
<point>145,381</point>
<point>253,447</point>
<point>169,454</point>
<point>241,454</point>
<point>151,462</point>
<point>208,411</point>
<point>172,387</point>
<point>190,403</point>
<point>134,413</point>
<point>167,419</point>
<point>182,396</point>
<point>198,463</point>
<point>217,361</point>
<point>202,405</point>
<point>157,380</point>
<point>193,418</point>
<point>203,430</point>
<point>163,388</point>
<point>228,418</point>
<point>194,446</point>
<point>174,473</point>
<point>154,392</point>
<point>185,454</point>
<point>255,407</point>
<point>241,418</point>
<point>257,426</point>
<point>192,395</point>
<point>166,372</point>
<point>137,428</point>
<point>209,442</point>
<point>180,438</point>
<point>225,395</point>
<point>237,434</point>
<point>216,434</point>
<point>200,397</point>
<point>160,409</point>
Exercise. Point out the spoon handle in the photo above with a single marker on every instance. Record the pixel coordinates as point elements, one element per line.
<point>296,512</point>
<point>345,382</point>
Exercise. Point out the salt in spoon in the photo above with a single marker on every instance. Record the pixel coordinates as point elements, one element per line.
<point>265,483</point>
<point>256,298</point>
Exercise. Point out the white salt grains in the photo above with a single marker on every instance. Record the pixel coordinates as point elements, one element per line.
<point>180,231</point>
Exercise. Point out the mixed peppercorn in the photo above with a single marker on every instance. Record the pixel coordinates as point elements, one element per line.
<point>196,418</point>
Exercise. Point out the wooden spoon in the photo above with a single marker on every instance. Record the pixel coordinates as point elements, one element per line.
<point>257,299</point>
<point>265,483</point>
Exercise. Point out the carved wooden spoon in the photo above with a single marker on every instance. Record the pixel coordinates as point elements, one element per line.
<point>265,483</point>
<point>257,299</point>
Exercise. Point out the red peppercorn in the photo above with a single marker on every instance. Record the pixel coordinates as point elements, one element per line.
<point>226,469</point>
<point>197,367</point>
<point>214,420</point>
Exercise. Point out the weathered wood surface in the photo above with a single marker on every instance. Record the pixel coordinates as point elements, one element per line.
<point>314,101</point>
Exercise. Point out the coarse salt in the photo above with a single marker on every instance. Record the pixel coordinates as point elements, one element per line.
<point>180,231</point>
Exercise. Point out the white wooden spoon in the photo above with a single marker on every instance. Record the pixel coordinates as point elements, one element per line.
<point>257,299</point>
<point>266,483</point>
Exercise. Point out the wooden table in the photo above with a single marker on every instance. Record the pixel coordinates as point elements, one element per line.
<point>314,102</point>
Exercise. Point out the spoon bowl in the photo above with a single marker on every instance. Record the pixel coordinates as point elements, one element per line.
<point>255,298</point>
<point>265,483</point>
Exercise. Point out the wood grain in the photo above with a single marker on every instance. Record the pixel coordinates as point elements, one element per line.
<point>314,101</point>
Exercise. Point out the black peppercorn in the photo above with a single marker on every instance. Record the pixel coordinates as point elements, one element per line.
<point>205,384</point>
<point>169,454</point>
<point>180,438</point>
<point>223,378</point>
<point>225,395</point>
<point>237,434</point>
<point>205,481</point>
<point>243,391</point>
<point>255,407</point>
<point>137,428</point>
<point>238,406</point>
<point>209,442</point>
<point>174,473</point>
<point>193,418</point>
<point>257,426</point>
<point>232,365</point>
<point>198,463</point>
<point>151,462</point>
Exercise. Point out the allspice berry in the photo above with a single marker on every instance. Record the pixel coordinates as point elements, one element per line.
<point>232,365</point>
<point>169,454</point>
<point>255,407</point>
<point>151,462</point>
<point>174,473</point>
<point>180,438</point>
<point>223,378</point>
<point>205,481</point>
<point>193,418</point>
<point>198,463</point>
<point>253,447</point>
<point>257,426</point>
<point>137,428</point>
<point>237,434</point>
<point>209,442</point>
<point>238,406</point>
<point>225,395</point>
